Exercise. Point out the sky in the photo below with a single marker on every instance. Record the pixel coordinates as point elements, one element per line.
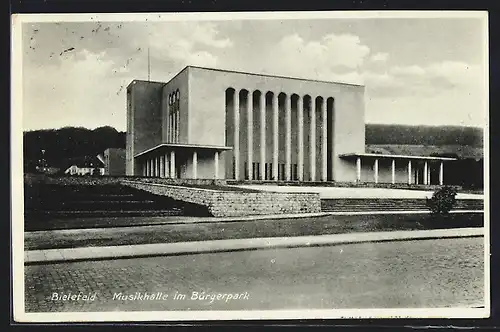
<point>417,71</point>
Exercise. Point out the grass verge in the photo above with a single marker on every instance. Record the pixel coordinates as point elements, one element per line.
<point>171,233</point>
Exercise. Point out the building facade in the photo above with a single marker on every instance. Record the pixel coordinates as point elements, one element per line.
<point>212,124</point>
<point>114,161</point>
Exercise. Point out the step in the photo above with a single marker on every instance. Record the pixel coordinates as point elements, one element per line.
<point>102,213</point>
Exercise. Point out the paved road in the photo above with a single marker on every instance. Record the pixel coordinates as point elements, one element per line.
<point>430,273</point>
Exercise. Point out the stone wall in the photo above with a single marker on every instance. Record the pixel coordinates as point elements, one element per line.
<point>102,180</point>
<point>234,203</point>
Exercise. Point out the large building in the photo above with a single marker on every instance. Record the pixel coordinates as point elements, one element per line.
<point>212,124</point>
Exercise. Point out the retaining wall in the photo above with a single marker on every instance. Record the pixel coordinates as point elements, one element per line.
<point>234,203</point>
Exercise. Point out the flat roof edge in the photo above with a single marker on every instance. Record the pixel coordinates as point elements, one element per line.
<point>184,146</point>
<point>395,156</point>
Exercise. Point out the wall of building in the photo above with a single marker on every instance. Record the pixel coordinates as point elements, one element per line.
<point>179,82</point>
<point>115,162</point>
<point>233,203</point>
<point>144,120</point>
<point>207,113</point>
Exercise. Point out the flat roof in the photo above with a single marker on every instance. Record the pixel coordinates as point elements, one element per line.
<point>392,156</point>
<point>248,73</point>
<point>269,75</point>
<point>180,146</point>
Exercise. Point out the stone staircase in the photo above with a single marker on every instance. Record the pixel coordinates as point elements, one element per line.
<point>108,200</point>
<point>383,204</point>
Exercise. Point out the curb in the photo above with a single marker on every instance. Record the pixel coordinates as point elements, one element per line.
<point>197,247</point>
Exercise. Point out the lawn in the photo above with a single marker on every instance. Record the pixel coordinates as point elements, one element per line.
<point>169,233</point>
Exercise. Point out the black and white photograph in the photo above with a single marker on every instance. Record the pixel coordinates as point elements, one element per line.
<point>252,165</point>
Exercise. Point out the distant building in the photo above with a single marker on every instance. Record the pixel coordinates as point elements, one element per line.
<point>114,161</point>
<point>76,170</point>
<point>87,166</point>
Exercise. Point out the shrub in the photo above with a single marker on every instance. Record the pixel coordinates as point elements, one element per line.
<point>442,201</point>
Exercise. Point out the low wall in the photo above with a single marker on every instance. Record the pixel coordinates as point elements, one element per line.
<point>234,203</point>
<point>102,180</point>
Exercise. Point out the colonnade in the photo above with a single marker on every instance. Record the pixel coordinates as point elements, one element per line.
<point>247,103</point>
<point>164,166</point>
<point>426,171</point>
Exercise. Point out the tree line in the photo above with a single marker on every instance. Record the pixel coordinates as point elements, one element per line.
<point>63,147</point>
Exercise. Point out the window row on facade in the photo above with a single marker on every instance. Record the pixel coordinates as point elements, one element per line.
<point>173,120</point>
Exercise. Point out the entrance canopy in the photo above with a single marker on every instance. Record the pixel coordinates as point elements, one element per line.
<point>160,161</point>
<point>183,147</point>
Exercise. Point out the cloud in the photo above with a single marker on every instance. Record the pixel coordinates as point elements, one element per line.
<point>379,57</point>
<point>324,58</point>
<point>60,89</point>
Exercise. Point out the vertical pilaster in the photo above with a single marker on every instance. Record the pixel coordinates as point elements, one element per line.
<point>262,106</point>
<point>275,135</point>
<point>236,145</point>
<point>300,138</point>
<point>250,135</point>
<point>324,161</point>
<point>288,136</point>
<point>312,139</point>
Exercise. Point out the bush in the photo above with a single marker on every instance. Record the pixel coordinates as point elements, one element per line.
<point>442,201</point>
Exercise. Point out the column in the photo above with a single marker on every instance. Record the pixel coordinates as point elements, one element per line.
<point>429,174</point>
<point>426,179</point>
<point>274,105</point>
<point>409,171</point>
<point>216,165</point>
<point>358,169</point>
<point>236,145</point>
<point>155,174</point>
<point>300,138</point>
<point>393,171</point>
<point>172,164</point>
<point>324,127</point>
<point>375,170</point>
<point>144,169</point>
<point>262,106</point>
<point>195,165</point>
<point>441,174</point>
<point>162,169</point>
<point>250,134</point>
<point>167,169</point>
<point>312,138</point>
<point>288,136</point>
